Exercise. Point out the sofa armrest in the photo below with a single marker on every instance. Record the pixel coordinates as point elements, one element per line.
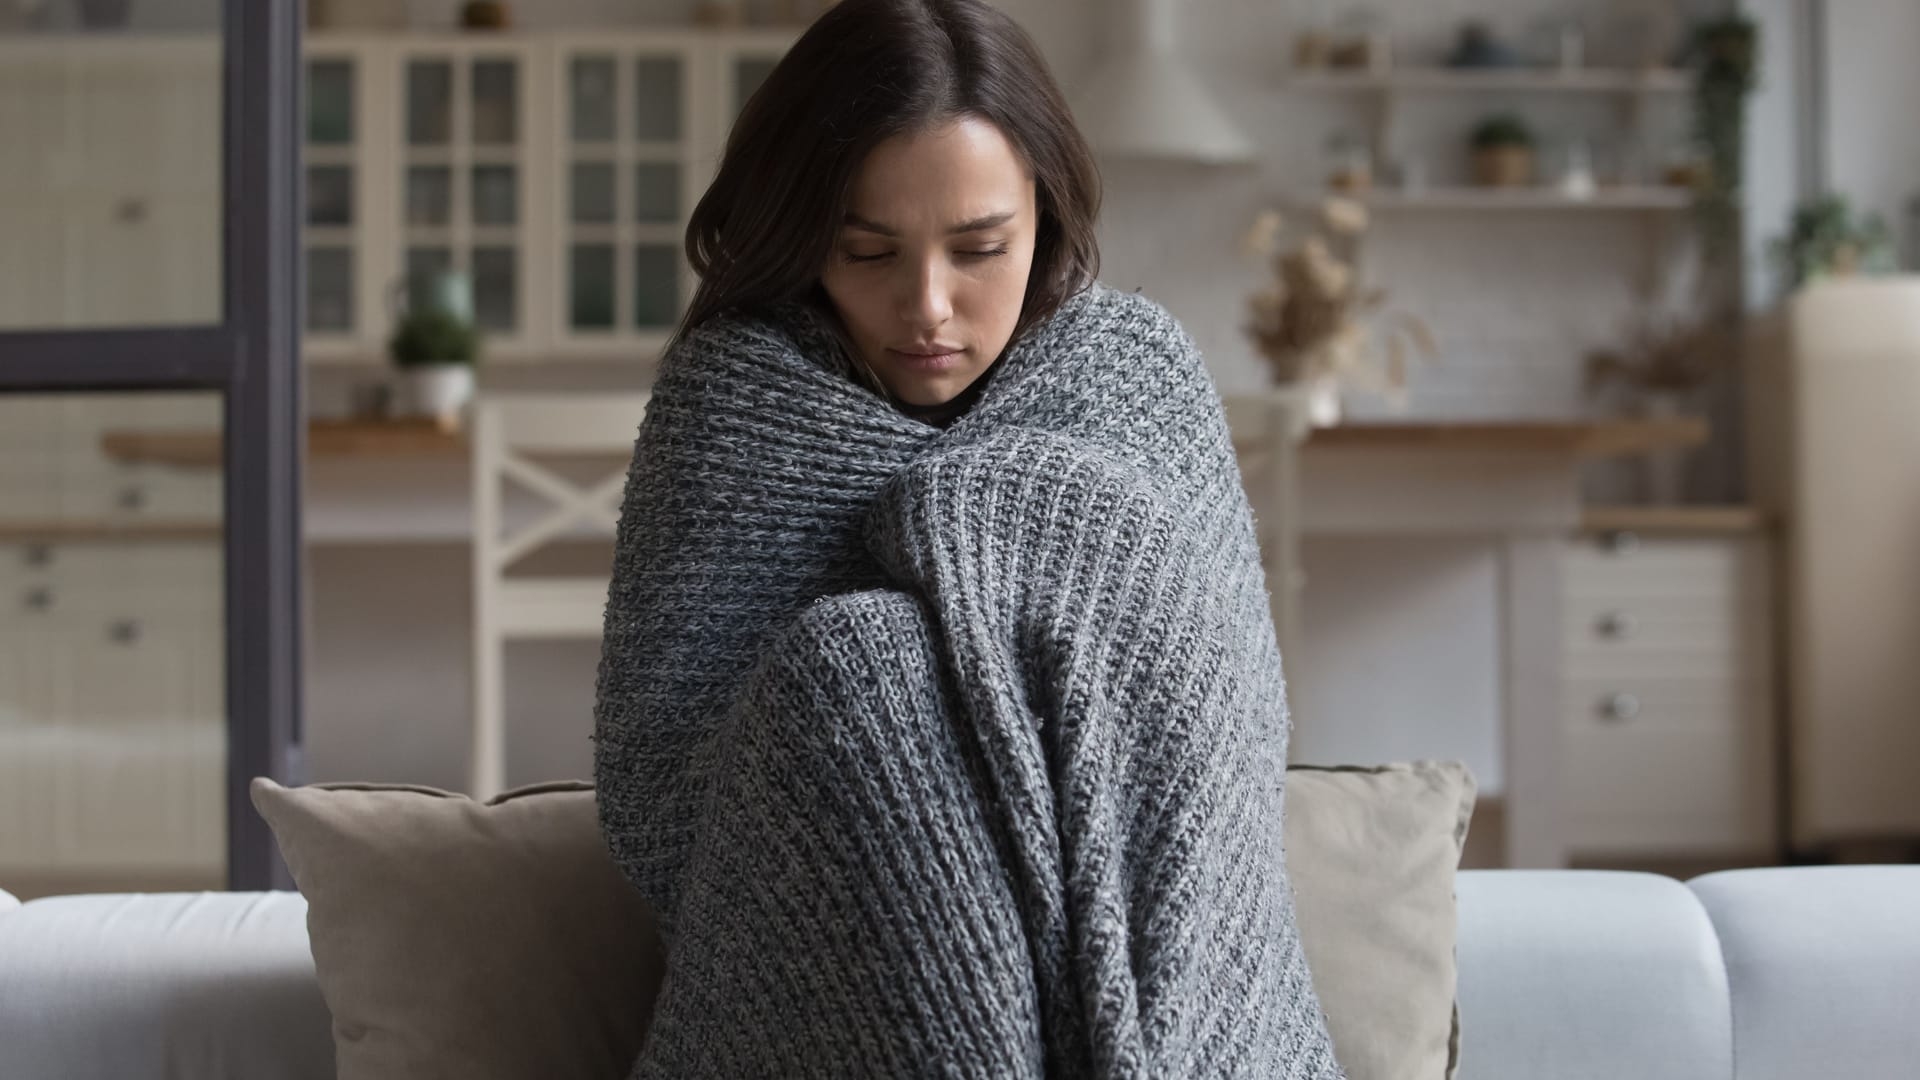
<point>1585,973</point>
<point>8,902</point>
<point>207,985</point>
<point>1824,964</point>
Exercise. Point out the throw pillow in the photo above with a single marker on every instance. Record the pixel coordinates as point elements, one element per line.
<point>1371,855</point>
<point>461,939</point>
<point>453,938</point>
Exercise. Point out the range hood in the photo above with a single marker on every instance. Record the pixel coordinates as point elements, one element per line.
<point>1141,101</point>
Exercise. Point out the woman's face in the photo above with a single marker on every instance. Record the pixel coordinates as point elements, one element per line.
<point>933,258</point>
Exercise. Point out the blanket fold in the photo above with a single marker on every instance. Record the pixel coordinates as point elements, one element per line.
<point>952,753</point>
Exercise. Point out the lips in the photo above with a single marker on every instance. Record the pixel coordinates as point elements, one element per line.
<point>927,362</point>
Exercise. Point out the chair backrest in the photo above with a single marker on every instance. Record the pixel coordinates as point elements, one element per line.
<point>508,428</point>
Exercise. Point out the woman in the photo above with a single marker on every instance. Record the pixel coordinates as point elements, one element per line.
<point>940,719</point>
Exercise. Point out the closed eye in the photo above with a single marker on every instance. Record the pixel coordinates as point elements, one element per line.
<point>968,254</point>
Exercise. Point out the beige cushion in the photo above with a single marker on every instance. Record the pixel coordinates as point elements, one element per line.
<point>1371,853</point>
<point>465,940</point>
<point>456,939</point>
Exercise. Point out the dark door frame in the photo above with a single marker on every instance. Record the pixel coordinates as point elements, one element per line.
<point>253,359</point>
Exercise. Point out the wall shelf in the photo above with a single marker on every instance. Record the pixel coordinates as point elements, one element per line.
<point>1537,198</point>
<point>1519,80</point>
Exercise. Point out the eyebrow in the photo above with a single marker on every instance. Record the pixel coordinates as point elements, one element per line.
<point>856,221</point>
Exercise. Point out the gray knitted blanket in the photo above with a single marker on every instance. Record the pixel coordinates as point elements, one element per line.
<point>952,752</point>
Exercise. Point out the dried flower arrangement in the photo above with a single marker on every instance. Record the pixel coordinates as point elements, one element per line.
<point>1674,356</point>
<point>1316,321</point>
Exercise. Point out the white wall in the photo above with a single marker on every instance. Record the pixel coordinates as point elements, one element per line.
<point>1872,142</point>
<point>1515,299</point>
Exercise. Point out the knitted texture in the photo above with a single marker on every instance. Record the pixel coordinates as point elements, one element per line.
<point>952,752</point>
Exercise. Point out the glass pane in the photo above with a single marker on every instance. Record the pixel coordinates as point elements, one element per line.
<point>591,287</point>
<point>656,98</point>
<point>496,98</point>
<point>113,744</point>
<point>656,192</point>
<point>656,289</point>
<point>496,195</point>
<point>429,195</point>
<point>748,74</point>
<point>330,102</point>
<point>329,195</point>
<point>592,90</point>
<point>426,263</point>
<point>111,201</point>
<point>495,288</point>
<point>592,188</point>
<point>330,289</point>
<point>429,102</point>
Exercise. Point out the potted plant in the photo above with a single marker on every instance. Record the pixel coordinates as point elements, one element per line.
<point>435,345</point>
<point>1503,152</point>
<point>1311,322</point>
<point>1825,239</point>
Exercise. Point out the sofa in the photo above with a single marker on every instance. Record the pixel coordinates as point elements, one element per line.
<point>1764,974</point>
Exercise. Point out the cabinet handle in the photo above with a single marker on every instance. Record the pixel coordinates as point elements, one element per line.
<point>1619,708</point>
<point>1617,625</point>
<point>133,497</point>
<point>1620,541</point>
<point>39,554</point>
<point>125,631</point>
<point>39,599</point>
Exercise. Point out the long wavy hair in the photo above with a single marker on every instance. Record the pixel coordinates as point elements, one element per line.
<point>864,72</point>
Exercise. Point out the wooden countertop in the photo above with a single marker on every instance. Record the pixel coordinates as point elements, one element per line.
<point>1683,518</point>
<point>425,438</point>
<point>1580,438</point>
<point>325,438</point>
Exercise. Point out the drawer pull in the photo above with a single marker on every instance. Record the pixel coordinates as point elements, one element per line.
<point>125,631</point>
<point>39,554</point>
<point>1614,625</point>
<point>132,498</point>
<point>39,599</point>
<point>1619,708</point>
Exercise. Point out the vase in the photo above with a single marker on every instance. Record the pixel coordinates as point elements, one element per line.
<point>1663,473</point>
<point>441,391</point>
<point>1323,401</point>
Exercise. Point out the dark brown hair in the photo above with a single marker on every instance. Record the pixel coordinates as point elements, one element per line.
<point>864,72</point>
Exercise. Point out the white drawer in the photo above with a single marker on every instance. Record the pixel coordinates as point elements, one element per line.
<point>1676,790</point>
<point>92,585</point>
<point>1651,703</point>
<point>1665,567</point>
<point>126,494</point>
<point>1673,765</point>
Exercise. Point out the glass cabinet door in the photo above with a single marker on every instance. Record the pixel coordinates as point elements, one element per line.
<point>463,177</point>
<point>627,134</point>
<point>332,135</point>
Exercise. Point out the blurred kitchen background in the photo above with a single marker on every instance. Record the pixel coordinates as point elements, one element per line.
<point>1603,487</point>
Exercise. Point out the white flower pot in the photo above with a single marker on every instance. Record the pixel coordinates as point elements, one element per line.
<point>1323,402</point>
<point>439,390</point>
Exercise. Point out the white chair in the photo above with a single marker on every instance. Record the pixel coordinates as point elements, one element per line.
<point>507,428</point>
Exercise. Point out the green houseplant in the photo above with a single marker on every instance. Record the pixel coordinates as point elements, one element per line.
<point>1502,148</point>
<point>435,344</point>
<point>1825,239</point>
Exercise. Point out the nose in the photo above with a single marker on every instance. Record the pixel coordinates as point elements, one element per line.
<point>927,300</point>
